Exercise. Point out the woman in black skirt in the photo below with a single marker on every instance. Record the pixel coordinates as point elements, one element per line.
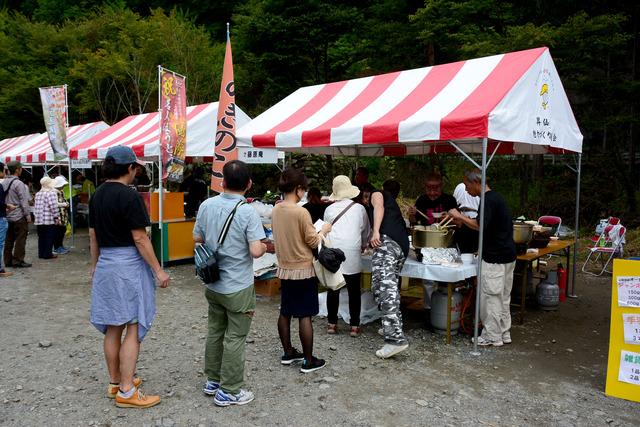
<point>295,237</point>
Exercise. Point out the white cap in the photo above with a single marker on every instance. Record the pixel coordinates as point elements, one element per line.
<point>60,181</point>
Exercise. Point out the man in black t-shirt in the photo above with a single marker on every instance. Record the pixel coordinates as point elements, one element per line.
<point>315,205</point>
<point>498,261</point>
<point>433,203</point>
<point>391,246</point>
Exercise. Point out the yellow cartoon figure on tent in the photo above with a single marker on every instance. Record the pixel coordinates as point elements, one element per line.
<point>544,93</point>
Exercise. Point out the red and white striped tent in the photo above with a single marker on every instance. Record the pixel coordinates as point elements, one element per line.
<point>10,143</point>
<point>142,134</point>
<point>38,150</point>
<point>512,103</point>
<point>515,98</point>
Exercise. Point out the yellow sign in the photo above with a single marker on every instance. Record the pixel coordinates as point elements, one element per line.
<point>623,369</point>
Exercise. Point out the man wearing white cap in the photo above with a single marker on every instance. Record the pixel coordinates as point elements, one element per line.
<point>58,242</point>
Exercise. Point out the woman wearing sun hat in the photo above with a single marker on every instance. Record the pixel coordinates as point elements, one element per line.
<point>350,233</point>
<point>47,217</point>
<point>58,242</point>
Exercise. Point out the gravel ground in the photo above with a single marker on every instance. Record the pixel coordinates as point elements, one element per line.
<point>53,373</point>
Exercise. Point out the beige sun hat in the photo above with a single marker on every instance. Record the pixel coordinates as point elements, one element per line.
<point>46,183</point>
<point>342,188</point>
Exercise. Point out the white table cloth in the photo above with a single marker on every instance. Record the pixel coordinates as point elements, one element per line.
<point>440,273</point>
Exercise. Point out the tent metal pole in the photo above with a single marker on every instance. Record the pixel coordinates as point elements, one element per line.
<point>493,154</point>
<point>160,214</point>
<point>461,151</point>
<point>480,244</point>
<point>73,223</point>
<point>572,294</point>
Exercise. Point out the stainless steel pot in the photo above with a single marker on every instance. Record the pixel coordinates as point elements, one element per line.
<point>522,233</point>
<point>426,237</point>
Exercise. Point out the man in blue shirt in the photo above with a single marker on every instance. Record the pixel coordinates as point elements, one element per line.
<point>232,299</point>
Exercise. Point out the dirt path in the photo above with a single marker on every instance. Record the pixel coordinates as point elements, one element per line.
<point>553,373</point>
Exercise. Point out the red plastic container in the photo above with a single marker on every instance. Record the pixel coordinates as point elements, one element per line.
<point>562,282</point>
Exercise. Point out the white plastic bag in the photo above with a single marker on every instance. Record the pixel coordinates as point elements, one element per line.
<point>333,281</point>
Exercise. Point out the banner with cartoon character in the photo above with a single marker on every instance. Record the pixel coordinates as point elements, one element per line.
<point>54,109</point>
<point>173,124</point>
<point>225,148</point>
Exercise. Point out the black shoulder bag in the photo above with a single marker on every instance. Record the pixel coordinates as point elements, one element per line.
<point>332,258</point>
<point>206,260</point>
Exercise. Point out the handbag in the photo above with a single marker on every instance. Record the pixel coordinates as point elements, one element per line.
<point>330,275</point>
<point>206,259</point>
<point>333,281</point>
<point>332,258</point>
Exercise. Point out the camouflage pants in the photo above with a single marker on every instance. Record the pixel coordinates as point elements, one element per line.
<point>386,265</point>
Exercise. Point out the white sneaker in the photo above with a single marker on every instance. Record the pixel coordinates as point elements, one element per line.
<point>506,338</point>
<point>485,342</point>
<point>389,350</point>
<point>226,399</point>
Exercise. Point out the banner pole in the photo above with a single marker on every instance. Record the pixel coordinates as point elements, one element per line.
<point>160,189</point>
<point>72,219</point>
<point>66,110</point>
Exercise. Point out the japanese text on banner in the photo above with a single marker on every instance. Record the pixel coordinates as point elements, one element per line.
<point>628,291</point>
<point>225,148</point>
<point>54,109</point>
<point>173,125</point>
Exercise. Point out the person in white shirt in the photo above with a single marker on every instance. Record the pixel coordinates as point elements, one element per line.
<point>465,237</point>
<point>467,204</point>
<point>350,233</point>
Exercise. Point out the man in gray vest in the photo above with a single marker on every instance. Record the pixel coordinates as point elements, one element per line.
<point>17,194</point>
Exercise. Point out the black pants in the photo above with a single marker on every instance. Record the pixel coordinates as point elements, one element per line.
<point>466,239</point>
<point>46,235</point>
<point>58,240</point>
<point>333,300</point>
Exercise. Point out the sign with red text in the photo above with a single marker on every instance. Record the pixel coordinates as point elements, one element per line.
<point>628,291</point>
<point>173,124</point>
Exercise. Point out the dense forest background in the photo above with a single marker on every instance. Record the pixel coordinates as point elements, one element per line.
<point>107,52</point>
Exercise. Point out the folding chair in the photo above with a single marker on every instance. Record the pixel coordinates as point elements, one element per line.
<point>609,245</point>
<point>551,221</point>
<point>612,220</point>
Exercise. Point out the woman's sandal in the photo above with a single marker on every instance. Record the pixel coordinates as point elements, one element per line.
<point>355,331</point>
<point>332,328</point>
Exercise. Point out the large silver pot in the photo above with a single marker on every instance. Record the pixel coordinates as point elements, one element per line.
<point>426,237</point>
<point>522,233</point>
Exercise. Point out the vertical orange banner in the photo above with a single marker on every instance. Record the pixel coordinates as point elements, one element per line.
<point>225,149</point>
<point>173,124</point>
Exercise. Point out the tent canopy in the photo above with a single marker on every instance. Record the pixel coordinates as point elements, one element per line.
<point>11,143</point>
<point>516,99</point>
<point>142,134</point>
<point>38,150</point>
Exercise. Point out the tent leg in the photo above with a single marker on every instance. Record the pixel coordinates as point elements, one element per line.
<point>73,233</point>
<point>572,294</point>
<point>480,244</point>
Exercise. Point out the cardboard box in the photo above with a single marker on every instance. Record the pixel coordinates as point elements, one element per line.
<point>268,287</point>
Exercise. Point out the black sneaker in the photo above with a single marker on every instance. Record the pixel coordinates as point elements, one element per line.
<point>313,366</point>
<point>21,264</point>
<point>294,356</point>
